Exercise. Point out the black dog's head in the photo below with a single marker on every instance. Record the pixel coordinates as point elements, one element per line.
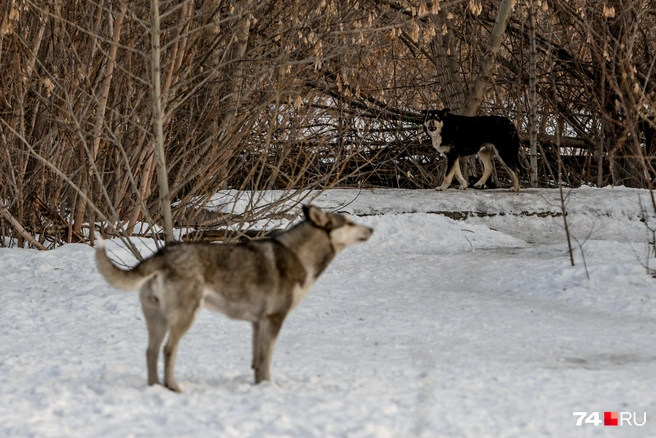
<point>434,120</point>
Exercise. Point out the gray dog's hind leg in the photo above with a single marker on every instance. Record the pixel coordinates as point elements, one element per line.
<point>184,316</point>
<point>157,327</point>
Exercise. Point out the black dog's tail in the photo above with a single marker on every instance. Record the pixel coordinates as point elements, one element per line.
<point>510,153</point>
<point>515,164</point>
<point>506,139</point>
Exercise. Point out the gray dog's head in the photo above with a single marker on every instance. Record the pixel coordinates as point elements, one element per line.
<point>340,228</point>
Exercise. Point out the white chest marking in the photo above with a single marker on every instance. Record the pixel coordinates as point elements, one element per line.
<point>437,144</point>
<point>436,140</point>
<point>301,291</point>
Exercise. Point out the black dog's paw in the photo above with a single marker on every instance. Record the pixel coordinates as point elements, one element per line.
<point>488,185</point>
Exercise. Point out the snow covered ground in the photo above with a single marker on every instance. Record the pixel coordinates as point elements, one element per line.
<point>434,328</point>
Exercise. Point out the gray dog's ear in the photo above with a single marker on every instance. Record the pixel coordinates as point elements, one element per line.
<point>317,216</point>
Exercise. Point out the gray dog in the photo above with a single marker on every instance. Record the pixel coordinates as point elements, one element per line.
<point>259,281</point>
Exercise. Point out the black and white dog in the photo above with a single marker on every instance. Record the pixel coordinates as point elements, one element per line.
<point>460,136</point>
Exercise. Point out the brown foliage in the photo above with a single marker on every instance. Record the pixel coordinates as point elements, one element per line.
<point>297,95</point>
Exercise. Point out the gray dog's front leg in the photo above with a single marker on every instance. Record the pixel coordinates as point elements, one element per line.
<point>267,332</point>
<point>256,350</point>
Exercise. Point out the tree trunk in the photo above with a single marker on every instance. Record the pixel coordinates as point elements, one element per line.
<point>158,123</point>
<point>477,91</point>
<point>446,65</point>
<point>532,95</point>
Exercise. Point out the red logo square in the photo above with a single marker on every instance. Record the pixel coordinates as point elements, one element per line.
<point>610,418</point>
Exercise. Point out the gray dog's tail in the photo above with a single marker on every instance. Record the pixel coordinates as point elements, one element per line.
<point>131,279</point>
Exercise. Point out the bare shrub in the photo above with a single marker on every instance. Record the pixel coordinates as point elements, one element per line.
<point>297,96</point>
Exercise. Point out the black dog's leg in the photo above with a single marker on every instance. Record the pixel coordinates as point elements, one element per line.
<point>453,168</point>
<point>486,154</point>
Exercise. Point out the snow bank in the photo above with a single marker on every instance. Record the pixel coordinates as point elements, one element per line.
<point>433,328</point>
